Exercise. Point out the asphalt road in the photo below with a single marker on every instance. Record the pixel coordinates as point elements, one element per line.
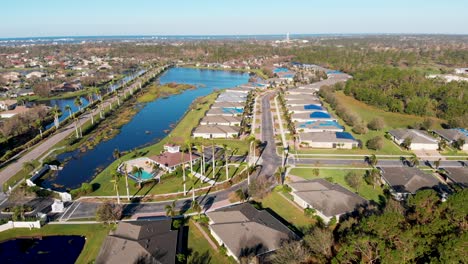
<point>269,165</point>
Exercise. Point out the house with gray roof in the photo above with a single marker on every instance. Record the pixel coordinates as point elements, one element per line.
<point>226,111</point>
<point>404,181</point>
<point>140,242</point>
<point>221,120</point>
<point>328,139</point>
<point>456,176</point>
<point>305,109</point>
<point>420,140</point>
<point>216,131</point>
<point>292,97</point>
<point>246,231</point>
<point>453,135</point>
<point>303,102</point>
<point>328,199</point>
<point>236,105</point>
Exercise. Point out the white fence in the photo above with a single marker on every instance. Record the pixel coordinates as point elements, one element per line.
<point>13,224</point>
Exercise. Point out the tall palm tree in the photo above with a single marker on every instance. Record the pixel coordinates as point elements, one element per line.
<point>116,154</point>
<point>69,109</point>
<point>76,127</point>
<point>189,146</point>
<point>38,126</point>
<point>170,209</point>
<point>115,180</point>
<point>373,177</point>
<point>78,103</point>
<point>90,94</point>
<point>414,161</point>
<point>213,159</point>
<point>196,207</point>
<point>138,172</point>
<point>437,163</point>
<point>56,112</point>
<point>373,160</point>
<point>226,159</point>
<point>124,168</point>
<point>183,172</point>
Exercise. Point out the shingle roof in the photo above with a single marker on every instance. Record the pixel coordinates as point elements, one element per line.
<point>408,179</point>
<point>452,134</point>
<point>243,228</point>
<point>328,198</point>
<point>417,136</point>
<point>169,159</point>
<point>327,136</point>
<point>458,175</point>
<point>216,129</point>
<point>153,240</point>
<point>220,119</point>
<point>228,104</point>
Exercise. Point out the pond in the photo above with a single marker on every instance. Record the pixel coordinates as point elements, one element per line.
<point>49,249</point>
<point>148,126</point>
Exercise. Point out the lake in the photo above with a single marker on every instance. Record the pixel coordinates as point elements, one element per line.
<point>146,127</point>
<point>49,249</point>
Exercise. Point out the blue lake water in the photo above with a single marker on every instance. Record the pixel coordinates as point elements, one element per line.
<point>49,249</point>
<point>147,126</point>
<point>62,103</point>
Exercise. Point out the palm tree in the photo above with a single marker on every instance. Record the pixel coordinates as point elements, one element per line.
<point>124,168</point>
<point>76,127</point>
<point>199,148</point>
<point>56,112</point>
<point>189,145</point>
<point>78,103</point>
<point>138,172</point>
<point>38,125</point>
<point>442,144</point>
<point>437,163</point>
<point>183,173</point>
<point>69,109</point>
<point>213,159</point>
<point>226,159</point>
<point>170,209</point>
<point>241,195</point>
<point>115,180</point>
<point>373,160</point>
<point>372,177</point>
<point>90,96</point>
<point>196,207</point>
<point>414,161</point>
<point>116,154</point>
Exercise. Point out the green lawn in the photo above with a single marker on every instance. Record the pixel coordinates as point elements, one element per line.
<point>366,191</point>
<point>179,135</point>
<point>286,210</point>
<point>94,233</point>
<point>198,243</point>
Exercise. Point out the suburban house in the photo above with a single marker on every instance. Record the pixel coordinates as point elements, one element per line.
<point>232,97</point>
<point>319,126</point>
<point>68,87</point>
<point>454,135</point>
<point>456,175</point>
<point>221,120</point>
<point>172,157</point>
<point>224,112</point>
<point>244,230</point>
<point>328,199</point>
<point>306,108</point>
<point>404,181</point>
<point>303,91</point>
<point>216,131</point>
<point>303,102</point>
<point>340,140</point>
<point>236,105</point>
<point>292,97</point>
<point>17,110</point>
<point>8,104</point>
<point>461,70</point>
<point>35,74</point>
<point>420,140</point>
<point>140,242</point>
<point>313,116</point>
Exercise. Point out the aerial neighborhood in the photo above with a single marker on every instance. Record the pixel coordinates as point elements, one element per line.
<point>256,150</point>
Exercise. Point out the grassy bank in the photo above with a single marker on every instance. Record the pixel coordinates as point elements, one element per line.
<point>95,235</point>
<point>338,176</point>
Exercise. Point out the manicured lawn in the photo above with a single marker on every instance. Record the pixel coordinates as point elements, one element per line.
<point>286,210</point>
<point>338,176</point>
<point>198,243</point>
<point>94,233</point>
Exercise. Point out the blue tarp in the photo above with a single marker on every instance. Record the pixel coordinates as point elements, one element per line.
<point>319,115</point>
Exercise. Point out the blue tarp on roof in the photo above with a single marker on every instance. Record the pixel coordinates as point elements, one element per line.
<point>463,131</point>
<point>344,135</point>
<point>320,124</point>
<point>320,115</point>
<point>312,107</point>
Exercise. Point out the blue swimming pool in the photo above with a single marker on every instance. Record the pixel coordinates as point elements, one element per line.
<point>232,110</point>
<point>281,69</point>
<point>319,115</point>
<point>144,176</point>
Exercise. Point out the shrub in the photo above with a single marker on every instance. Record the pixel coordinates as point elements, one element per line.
<point>376,124</point>
<point>360,128</point>
<point>309,212</point>
<point>375,143</point>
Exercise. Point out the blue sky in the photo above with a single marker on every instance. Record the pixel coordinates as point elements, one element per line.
<point>25,18</point>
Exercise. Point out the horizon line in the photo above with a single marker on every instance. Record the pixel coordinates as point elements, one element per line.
<point>234,35</point>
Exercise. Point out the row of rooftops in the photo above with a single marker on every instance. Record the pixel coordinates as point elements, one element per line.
<point>423,137</point>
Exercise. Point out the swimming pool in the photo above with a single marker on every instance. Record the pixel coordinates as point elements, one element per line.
<point>232,110</point>
<point>144,176</point>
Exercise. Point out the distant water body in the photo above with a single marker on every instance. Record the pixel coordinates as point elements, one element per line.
<point>142,38</point>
